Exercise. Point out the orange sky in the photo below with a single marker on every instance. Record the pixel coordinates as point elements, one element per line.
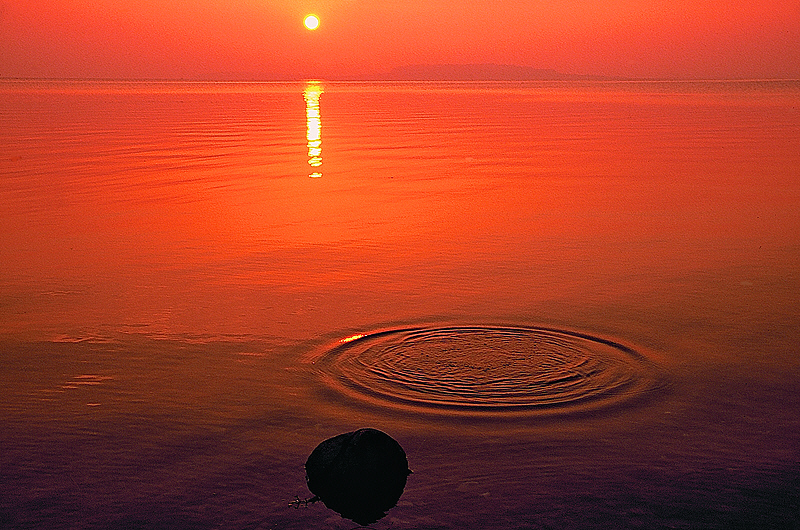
<point>265,39</point>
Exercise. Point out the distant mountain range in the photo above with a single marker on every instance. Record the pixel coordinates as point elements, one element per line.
<point>481,72</point>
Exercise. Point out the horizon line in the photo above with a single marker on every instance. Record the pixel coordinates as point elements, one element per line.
<point>364,79</point>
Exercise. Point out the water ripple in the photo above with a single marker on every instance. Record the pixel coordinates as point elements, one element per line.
<point>478,369</point>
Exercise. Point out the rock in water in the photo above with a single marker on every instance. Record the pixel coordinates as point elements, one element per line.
<point>358,474</point>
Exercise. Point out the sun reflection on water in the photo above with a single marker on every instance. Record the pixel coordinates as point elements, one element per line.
<point>312,94</point>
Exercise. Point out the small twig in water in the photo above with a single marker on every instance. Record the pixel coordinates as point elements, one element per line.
<point>298,502</point>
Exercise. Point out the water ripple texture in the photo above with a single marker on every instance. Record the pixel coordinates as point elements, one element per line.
<point>488,369</point>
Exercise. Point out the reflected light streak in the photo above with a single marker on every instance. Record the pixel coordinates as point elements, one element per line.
<point>352,338</point>
<point>312,94</point>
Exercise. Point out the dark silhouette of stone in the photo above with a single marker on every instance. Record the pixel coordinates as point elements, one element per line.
<point>359,474</point>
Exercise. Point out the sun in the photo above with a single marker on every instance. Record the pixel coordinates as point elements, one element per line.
<point>311,22</point>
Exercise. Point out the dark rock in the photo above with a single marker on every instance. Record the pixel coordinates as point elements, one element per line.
<point>359,474</point>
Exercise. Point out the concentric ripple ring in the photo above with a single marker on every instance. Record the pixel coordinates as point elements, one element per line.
<point>480,369</point>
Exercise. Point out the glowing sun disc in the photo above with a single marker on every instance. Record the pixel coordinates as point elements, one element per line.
<point>311,22</point>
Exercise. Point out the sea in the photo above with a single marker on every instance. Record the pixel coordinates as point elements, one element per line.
<point>574,304</point>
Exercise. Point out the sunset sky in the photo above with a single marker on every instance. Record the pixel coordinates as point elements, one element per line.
<point>266,39</point>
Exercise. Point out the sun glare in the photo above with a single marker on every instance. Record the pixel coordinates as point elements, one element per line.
<point>311,22</point>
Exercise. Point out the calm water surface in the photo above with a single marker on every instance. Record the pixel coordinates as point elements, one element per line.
<point>574,305</point>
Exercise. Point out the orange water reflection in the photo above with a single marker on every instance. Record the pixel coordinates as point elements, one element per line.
<point>312,94</point>
<point>174,214</point>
